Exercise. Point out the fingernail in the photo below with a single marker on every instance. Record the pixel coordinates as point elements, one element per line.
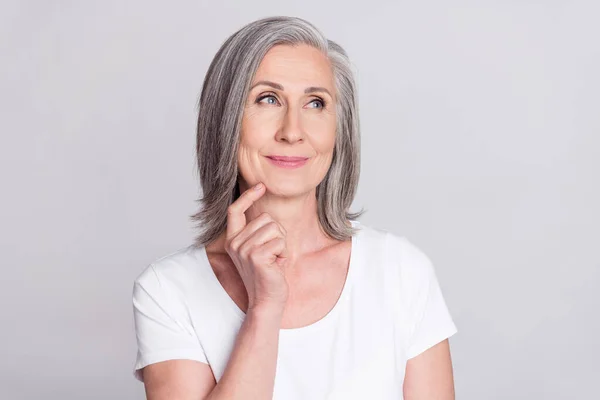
<point>258,187</point>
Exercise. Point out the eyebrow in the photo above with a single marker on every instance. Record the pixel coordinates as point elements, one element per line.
<point>311,89</point>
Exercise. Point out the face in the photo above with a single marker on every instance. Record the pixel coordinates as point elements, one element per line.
<point>289,112</point>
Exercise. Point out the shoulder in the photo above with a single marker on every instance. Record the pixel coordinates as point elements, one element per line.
<point>370,238</point>
<point>412,261</point>
<point>174,271</point>
<point>407,263</point>
<point>399,249</point>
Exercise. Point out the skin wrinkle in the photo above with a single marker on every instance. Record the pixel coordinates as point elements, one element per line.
<point>311,89</point>
<point>223,102</point>
<point>287,124</point>
<point>283,116</point>
<point>291,122</point>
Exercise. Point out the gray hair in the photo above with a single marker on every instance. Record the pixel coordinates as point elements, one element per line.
<point>220,111</point>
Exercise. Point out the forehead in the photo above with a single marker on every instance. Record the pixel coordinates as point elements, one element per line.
<point>296,65</point>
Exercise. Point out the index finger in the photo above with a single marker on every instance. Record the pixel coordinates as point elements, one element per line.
<point>236,219</point>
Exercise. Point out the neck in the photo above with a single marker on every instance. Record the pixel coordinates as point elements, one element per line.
<point>298,216</point>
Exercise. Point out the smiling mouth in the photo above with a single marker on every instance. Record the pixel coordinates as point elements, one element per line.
<point>287,162</point>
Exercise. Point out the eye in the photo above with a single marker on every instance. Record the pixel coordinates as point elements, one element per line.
<point>320,103</point>
<point>269,97</point>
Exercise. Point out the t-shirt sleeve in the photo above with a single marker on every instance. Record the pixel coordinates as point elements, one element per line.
<point>162,325</point>
<point>432,320</point>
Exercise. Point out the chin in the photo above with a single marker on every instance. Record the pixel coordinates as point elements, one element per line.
<point>288,188</point>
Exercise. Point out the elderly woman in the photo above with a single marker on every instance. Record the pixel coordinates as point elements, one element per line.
<point>284,294</point>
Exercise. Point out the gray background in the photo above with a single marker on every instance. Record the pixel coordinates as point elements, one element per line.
<point>480,124</point>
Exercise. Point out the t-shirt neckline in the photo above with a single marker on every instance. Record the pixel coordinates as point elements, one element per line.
<point>290,332</point>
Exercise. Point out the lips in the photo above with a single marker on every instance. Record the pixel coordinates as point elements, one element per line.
<point>287,161</point>
<point>287,158</point>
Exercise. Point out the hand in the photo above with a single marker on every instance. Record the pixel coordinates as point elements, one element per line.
<point>258,250</point>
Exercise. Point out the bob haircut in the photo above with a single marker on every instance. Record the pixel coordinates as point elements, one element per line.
<point>220,110</point>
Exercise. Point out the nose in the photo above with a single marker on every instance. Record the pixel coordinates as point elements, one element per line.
<point>291,129</point>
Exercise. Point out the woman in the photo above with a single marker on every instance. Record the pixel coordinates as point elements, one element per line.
<point>285,294</point>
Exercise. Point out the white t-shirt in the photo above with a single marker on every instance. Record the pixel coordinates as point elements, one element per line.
<point>390,310</point>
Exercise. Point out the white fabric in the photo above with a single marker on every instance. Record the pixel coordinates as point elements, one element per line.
<point>391,309</point>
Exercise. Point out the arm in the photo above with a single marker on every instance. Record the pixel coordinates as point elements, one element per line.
<point>165,336</point>
<point>250,372</point>
<point>429,375</point>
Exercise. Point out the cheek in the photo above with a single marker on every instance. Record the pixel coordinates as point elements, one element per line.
<point>323,139</point>
<point>248,164</point>
<point>253,137</point>
<point>323,145</point>
<point>248,156</point>
<point>258,126</point>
